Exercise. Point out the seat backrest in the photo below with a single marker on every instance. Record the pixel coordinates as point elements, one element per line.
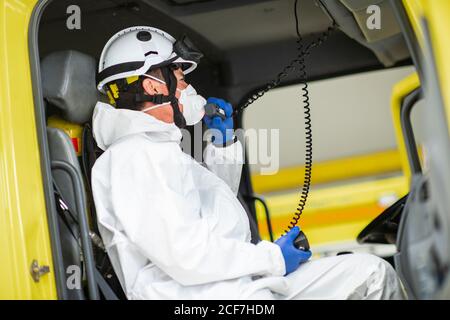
<point>68,79</point>
<point>61,149</point>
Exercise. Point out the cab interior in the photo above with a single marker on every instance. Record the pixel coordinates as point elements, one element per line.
<point>246,43</point>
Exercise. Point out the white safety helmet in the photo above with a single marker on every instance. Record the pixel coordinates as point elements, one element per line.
<point>133,51</point>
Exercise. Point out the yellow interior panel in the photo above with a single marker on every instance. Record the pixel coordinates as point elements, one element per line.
<point>24,234</point>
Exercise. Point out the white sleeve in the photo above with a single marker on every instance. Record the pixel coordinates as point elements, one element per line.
<point>164,226</point>
<point>226,163</point>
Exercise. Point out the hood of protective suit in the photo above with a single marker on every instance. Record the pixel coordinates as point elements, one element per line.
<point>110,124</point>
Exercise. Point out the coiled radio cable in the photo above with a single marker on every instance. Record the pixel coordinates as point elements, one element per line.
<point>299,61</point>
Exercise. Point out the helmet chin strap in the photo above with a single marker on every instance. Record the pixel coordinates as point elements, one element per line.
<point>171,82</point>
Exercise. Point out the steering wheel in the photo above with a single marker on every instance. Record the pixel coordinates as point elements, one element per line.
<point>383,229</point>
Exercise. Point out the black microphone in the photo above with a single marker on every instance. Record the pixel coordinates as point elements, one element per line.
<point>301,242</point>
<point>213,110</point>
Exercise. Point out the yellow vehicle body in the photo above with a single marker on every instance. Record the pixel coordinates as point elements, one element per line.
<point>24,231</point>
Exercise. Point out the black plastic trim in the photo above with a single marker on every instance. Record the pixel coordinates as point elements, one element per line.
<point>261,200</point>
<point>408,133</point>
<point>409,35</point>
<point>245,185</point>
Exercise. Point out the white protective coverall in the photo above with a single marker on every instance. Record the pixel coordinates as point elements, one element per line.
<point>175,229</point>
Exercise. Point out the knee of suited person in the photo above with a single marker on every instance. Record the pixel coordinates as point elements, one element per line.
<point>378,279</point>
<point>387,281</point>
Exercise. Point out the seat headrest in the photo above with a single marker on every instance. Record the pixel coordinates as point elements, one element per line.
<point>68,79</point>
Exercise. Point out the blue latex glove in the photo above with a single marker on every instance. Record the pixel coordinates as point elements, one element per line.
<point>224,127</point>
<point>293,257</point>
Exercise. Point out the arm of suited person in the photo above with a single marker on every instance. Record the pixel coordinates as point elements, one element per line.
<point>226,163</point>
<point>166,226</point>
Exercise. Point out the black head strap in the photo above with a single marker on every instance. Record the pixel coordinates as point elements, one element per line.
<point>128,98</point>
<point>171,82</point>
<point>156,99</point>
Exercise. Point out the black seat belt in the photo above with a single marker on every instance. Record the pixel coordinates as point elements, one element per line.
<point>88,158</point>
<point>90,153</point>
<point>105,289</point>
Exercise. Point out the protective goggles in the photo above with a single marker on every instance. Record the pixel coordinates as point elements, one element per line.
<point>186,50</point>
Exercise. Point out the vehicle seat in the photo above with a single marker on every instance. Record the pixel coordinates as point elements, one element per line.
<point>61,149</point>
<point>68,79</point>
